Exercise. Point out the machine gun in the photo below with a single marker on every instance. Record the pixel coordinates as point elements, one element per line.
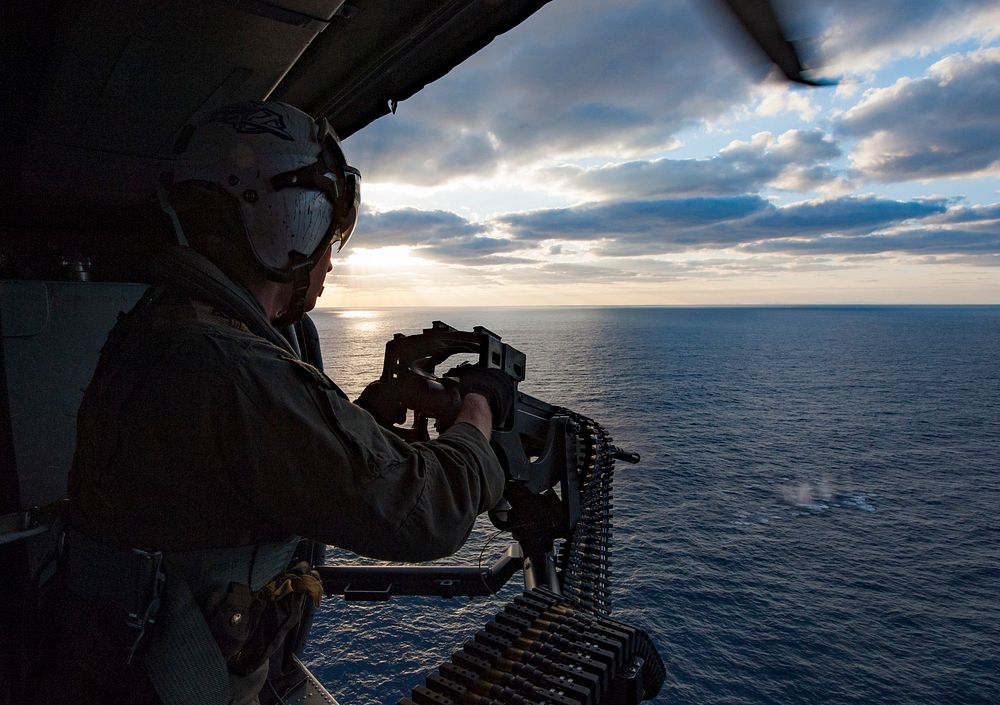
<point>540,446</point>
<point>556,643</point>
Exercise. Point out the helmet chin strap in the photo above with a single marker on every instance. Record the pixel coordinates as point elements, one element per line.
<point>301,269</point>
<point>167,207</point>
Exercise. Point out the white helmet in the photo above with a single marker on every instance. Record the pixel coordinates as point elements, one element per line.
<point>292,187</point>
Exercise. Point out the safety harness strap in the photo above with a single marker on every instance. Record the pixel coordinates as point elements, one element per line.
<point>183,662</point>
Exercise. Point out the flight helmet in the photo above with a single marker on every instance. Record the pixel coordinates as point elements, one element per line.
<point>289,184</point>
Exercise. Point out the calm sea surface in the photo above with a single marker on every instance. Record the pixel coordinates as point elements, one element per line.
<point>816,518</point>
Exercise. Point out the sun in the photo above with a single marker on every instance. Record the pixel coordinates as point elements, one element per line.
<point>393,258</point>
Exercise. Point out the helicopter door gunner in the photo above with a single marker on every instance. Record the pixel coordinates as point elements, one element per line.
<point>206,448</point>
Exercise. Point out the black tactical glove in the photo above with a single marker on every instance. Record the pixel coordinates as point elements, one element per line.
<point>493,384</point>
<point>382,401</point>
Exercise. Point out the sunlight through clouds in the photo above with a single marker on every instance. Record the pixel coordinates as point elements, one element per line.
<point>395,258</point>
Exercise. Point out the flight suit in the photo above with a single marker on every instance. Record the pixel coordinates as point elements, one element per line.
<point>197,433</point>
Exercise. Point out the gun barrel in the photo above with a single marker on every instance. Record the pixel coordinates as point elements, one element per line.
<point>624,455</point>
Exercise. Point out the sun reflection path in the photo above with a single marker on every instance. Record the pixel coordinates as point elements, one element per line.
<point>360,320</point>
<point>357,313</point>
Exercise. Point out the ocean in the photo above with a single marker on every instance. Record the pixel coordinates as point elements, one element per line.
<point>815,519</point>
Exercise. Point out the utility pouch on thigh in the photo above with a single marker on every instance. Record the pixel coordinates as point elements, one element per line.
<point>233,617</point>
<point>249,627</point>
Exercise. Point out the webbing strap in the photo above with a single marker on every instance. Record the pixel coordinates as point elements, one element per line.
<point>183,662</point>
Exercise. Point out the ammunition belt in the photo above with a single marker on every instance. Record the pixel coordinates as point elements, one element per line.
<point>542,649</point>
<point>585,560</point>
<point>559,649</point>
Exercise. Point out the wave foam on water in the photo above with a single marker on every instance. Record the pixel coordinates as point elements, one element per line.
<point>857,502</point>
<point>819,496</point>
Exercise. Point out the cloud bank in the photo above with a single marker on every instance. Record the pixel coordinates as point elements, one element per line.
<point>856,36</point>
<point>944,124</point>
<point>796,160</point>
<point>839,227</point>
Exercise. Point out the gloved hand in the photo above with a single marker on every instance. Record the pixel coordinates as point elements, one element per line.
<point>493,384</point>
<point>382,401</point>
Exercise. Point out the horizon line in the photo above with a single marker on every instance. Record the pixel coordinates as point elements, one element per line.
<point>319,309</point>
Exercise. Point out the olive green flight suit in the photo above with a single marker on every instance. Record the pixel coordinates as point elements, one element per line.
<point>197,433</point>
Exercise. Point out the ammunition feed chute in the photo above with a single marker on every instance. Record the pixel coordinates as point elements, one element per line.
<point>556,643</point>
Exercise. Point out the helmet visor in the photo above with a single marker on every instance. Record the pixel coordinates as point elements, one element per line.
<point>345,221</point>
<point>332,175</point>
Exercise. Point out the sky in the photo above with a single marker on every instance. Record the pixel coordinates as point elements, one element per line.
<point>638,153</point>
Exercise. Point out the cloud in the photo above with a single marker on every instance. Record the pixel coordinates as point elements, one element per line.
<point>778,98</point>
<point>624,79</point>
<point>421,152</point>
<point>584,272</point>
<point>441,236</point>
<point>413,227</point>
<point>632,271</point>
<point>645,271</point>
<point>585,100</point>
<point>635,228</point>
<point>474,252</point>
<point>842,216</point>
<point>989,260</point>
<point>939,126</point>
<point>634,221</point>
<point>621,240</point>
<point>853,37</point>
<point>797,159</point>
<point>794,146</point>
<point>578,78</point>
<point>984,215</point>
<point>931,241</point>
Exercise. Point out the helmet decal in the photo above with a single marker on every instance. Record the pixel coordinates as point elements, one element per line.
<point>253,119</point>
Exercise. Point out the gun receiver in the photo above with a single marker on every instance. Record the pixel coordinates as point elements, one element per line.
<point>527,443</point>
